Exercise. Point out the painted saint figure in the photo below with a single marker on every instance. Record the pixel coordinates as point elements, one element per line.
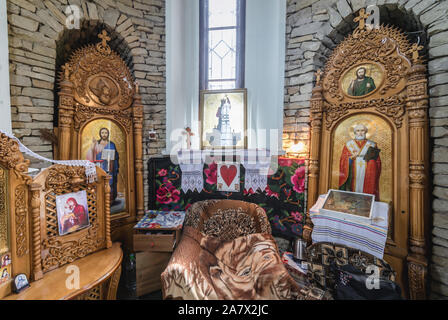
<point>75,216</point>
<point>103,153</point>
<point>360,164</point>
<point>362,84</point>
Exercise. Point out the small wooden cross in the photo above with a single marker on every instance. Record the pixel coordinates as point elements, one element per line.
<point>66,68</point>
<point>104,38</point>
<point>363,15</point>
<point>318,75</point>
<point>414,51</point>
<point>188,133</point>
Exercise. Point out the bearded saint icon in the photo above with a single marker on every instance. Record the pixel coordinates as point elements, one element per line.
<point>360,164</point>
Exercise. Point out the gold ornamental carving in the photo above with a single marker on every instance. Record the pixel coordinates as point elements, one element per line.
<point>12,157</point>
<point>393,107</point>
<point>63,252</point>
<point>62,177</point>
<point>21,211</point>
<point>385,46</point>
<point>4,240</point>
<point>99,76</point>
<point>84,113</point>
<point>417,274</point>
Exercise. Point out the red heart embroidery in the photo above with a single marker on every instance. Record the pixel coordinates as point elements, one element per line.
<point>228,173</point>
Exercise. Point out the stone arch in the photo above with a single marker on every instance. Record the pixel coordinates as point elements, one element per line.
<point>315,27</point>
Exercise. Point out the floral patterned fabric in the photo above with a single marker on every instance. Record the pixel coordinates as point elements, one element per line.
<point>283,200</point>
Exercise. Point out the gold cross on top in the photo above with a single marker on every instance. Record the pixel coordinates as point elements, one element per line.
<point>104,38</point>
<point>363,15</point>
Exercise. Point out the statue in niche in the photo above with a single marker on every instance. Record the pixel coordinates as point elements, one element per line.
<point>360,164</point>
<point>362,85</point>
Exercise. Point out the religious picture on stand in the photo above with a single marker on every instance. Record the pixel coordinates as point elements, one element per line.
<point>72,211</point>
<point>223,118</point>
<point>5,274</point>
<point>362,80</point>
<point>362,160</point>
<point>104,144</point>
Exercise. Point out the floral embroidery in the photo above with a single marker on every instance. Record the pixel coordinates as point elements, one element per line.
<point>211,173</point>
<point>283,204</point>
<point>298,180</point>
<point>168,193</point>
<point>297,216</point>
<point>271,193</point>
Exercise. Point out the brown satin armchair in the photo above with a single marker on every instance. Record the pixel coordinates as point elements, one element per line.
<point>227,252</point>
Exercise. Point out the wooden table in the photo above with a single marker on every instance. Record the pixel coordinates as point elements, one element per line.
<point>99,275</point>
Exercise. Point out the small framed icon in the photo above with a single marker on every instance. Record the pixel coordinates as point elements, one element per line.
<point>20,282</point>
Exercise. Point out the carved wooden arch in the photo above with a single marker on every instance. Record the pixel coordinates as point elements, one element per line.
<point>97,84</point>
<point>401,97</point>
<point>15,219</point>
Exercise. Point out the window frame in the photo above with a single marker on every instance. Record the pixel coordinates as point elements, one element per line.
<point>204,44</point>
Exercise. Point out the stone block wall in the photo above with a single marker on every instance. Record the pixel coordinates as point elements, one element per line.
<point>315,27</point>
<point>36,30</point>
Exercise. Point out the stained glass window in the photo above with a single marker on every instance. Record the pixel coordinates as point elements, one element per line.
<point>222,44</point>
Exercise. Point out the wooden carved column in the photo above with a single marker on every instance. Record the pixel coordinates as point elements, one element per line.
<point>107,209</point>
<point>66,100</point>
<point>36,239</point>
<point>417,105</point>
<point>137,110</point>
<point>313,172</point>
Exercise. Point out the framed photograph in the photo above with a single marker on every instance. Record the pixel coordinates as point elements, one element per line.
<point>20,282</point>
<point>223,119</point>
<point>349,205</point>
<point>72,211</point>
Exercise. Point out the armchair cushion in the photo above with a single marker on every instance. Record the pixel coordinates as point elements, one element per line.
<point>227,219</point>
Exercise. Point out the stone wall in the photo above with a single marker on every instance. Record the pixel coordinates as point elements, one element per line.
<point>315,27</point>
<point>36,31</point>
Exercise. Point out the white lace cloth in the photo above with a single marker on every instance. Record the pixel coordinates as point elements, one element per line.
<point>256,163</point>
<point>191,164</point>
<point>89,166</point>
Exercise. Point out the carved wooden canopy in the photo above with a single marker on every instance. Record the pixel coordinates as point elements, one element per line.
<point>376,74</point>
<point>100,77</point>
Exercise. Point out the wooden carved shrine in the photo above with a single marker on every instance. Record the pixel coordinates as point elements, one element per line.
<point>31,242</point>
<point>374,89</point>
<point>101,120</point>
<point>15,221</point>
